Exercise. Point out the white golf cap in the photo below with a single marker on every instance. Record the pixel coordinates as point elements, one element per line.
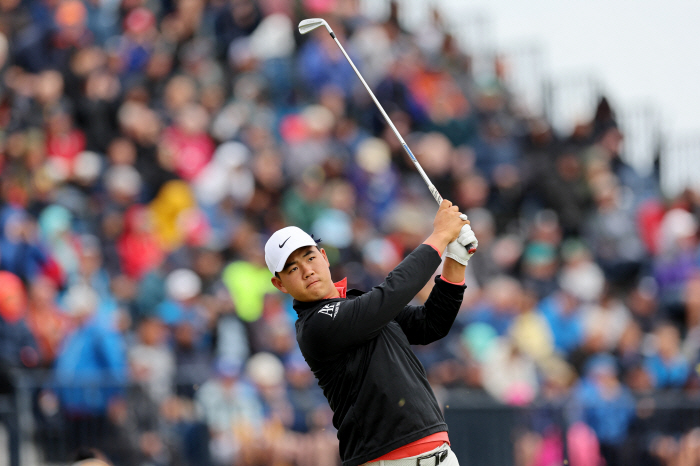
<point>283,243</point>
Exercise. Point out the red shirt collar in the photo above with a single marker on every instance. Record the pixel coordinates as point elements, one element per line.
<point>342,287</point>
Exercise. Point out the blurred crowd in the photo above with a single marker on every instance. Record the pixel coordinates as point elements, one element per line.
<point>148,148</point>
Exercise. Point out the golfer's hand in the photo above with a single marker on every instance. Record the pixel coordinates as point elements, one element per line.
<point>457,249</point>
<point>447,225</point>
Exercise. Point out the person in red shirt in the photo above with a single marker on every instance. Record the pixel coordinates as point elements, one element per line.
<point>138,247</point>
<point>47,322</point>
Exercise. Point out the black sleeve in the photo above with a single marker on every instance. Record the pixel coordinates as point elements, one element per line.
<point>343,324</point>
<point>433,320</point>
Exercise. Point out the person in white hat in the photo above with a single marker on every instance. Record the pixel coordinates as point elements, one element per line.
<point>358,344</point>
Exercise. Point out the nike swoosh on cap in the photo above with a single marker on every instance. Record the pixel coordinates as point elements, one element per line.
<point>282,245</point>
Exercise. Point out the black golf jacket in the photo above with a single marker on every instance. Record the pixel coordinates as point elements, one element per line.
<point>359,349</point>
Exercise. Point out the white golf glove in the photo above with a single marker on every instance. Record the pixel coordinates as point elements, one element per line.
<point>457,249</point>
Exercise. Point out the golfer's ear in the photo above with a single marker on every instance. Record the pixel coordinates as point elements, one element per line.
<point>325,257</point>
<point>278,284</point>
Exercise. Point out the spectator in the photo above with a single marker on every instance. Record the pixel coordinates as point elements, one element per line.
<point>266,372</point>
<point>502,303</point>
<point>56,234</point>
<point>226,175</point>
<point>676,261</point>
<point>134,47</point>
<point>611,231</point>
<point>562,311</point>
<point>63,141</point>
<point>191,326</point>
<point>53,37</point>
<point>691,344</point>
<point>18,350</point>
<point>232,411</point>
<point>182,306</point>
<point>123,184</point>
<point>138,247</point>
<point>235,21</point>
<point>21,252</point>
<point>564,189</point>
<point>48,322</point>
<point>90,267</point>
<point>667,365</point>
<point>540,265</point>
<point>509,375</point>
<point>605,405</point>
<point>530,332</point>
<point>604,323</point>
<point>17,345</point>
<point>172,200</point>
<point>87,380</point>
<point>321,63</point>
<point>248,280</point>
<point>188,142</point>
<point>629,355</point>
<point>607,148</point>
<point>98,107</point>
<point>151,360</point>
<point>304,395</point>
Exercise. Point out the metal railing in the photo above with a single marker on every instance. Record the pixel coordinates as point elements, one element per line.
<point>482,430</point>
<point>570,100</point>
<point>679,165</point>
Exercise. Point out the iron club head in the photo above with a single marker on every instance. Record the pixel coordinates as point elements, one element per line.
<point>310,24</point>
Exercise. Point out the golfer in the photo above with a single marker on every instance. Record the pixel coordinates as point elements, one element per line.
<point>358,344</point>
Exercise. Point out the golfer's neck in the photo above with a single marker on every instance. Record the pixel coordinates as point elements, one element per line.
<point>333,294</point>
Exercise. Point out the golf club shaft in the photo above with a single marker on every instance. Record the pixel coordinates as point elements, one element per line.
<point>431,187</point>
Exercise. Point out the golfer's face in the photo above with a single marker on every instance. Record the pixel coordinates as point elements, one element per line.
<point>306,275</point>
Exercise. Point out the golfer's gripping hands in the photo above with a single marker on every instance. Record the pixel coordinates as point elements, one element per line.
<point>451,231</point>
<point>457,249</point>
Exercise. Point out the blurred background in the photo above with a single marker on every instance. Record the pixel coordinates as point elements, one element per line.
<point>148,148</point>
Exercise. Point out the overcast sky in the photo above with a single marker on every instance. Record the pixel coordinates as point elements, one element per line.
<point>643,52</point>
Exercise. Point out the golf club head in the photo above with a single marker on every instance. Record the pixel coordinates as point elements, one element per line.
<point>310,24</point>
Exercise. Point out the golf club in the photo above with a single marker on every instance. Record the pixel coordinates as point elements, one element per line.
<point>309,25</point>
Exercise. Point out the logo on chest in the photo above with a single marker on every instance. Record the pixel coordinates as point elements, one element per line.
<point>330,309</point>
